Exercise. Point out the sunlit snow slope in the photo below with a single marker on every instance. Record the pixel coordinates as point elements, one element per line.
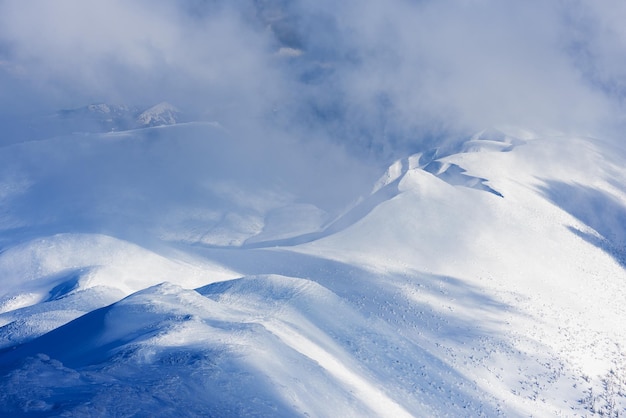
<point>163,272</point>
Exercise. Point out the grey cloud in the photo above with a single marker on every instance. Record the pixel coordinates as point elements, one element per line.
<point>597,40</point>
<point>380,77</point>
<point>138,50</point>
<point>474,63</point>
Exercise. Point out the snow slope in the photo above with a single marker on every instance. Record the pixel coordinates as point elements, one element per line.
<point>149,273</point>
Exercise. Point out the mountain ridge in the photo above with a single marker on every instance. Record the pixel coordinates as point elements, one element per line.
<point>419,296</point>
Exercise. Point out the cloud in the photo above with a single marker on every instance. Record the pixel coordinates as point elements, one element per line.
<point>428,65</point>
<point>598,43</point>
<point>141,51</point>
<point>378,77</point>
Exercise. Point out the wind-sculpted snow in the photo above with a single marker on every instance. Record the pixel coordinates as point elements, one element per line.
<point>147,274</point>
<point>522,247</point>
<point>313,229</point>
<point>236,349</point>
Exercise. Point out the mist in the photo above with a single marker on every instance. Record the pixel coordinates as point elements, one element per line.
<point>378,80</point>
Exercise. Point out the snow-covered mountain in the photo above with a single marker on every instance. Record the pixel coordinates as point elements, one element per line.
<point>98,117</point>
<point>93,118</point>
<point>170,272</point>
<point>158,115</point>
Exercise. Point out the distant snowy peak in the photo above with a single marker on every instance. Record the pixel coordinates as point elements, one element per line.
<point>106,108</point>
<point>98,111</point>
<point>105,117</point>
<point>161,114</point>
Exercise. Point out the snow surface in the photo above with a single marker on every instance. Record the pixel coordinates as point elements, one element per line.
<point>148,273</point>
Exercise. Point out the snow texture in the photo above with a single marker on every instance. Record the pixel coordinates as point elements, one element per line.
<point>142,274</point>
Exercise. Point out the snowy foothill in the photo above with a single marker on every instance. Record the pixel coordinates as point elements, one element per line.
<point>142,272</point>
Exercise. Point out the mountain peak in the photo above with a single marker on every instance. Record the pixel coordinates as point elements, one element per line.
<point>163,113</point>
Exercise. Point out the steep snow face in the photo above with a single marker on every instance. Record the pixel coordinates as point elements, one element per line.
<point>480,280</point>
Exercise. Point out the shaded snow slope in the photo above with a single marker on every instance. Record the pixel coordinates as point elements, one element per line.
<point>151,273</point>
<point>50,281</point>
<point>265,345</point>
<point>550,248</point>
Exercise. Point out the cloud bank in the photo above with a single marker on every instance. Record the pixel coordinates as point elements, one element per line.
<point>378,77</point>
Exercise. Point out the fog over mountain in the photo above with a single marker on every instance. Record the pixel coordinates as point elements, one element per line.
<point>312,208</point>
<point>380,76</point>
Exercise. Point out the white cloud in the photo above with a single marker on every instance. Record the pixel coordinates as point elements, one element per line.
<point>371,72</point>
<point>134,50</point>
